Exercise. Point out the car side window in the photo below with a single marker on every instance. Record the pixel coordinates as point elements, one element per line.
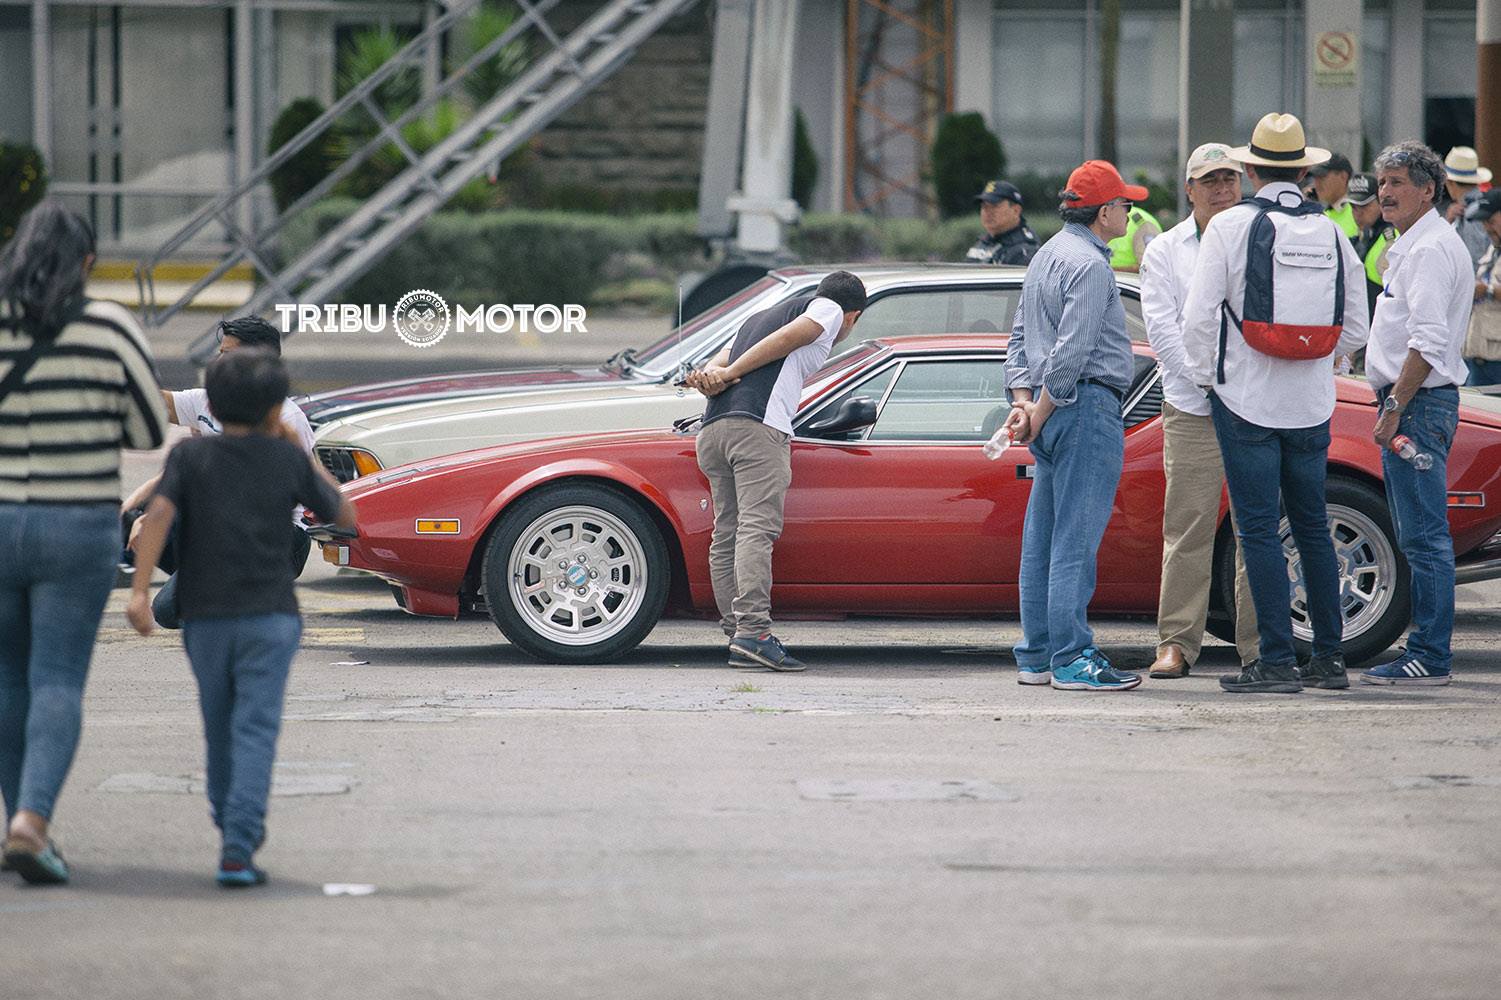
<point>1136,327</point>
<point>939,310</point>
<point>873,388</point>
<point>953,400</point>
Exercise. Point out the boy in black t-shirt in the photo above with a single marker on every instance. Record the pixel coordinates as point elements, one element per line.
<point>233,495</point>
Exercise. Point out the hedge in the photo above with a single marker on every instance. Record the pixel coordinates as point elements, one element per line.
<point>552,256</point>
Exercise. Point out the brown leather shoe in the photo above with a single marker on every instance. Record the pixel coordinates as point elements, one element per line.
<point>1169,663</point>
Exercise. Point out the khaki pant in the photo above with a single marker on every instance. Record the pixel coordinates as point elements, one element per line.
<point>749,467</point>
<point>1195,476</point>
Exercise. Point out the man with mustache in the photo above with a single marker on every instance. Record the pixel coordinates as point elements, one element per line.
<point>1190,451</point>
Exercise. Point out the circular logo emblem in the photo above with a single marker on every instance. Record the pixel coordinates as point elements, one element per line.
<point>420,317</point>
<point>578,576</point>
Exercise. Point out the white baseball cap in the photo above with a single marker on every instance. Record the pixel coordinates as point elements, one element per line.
<point>1210,157</point>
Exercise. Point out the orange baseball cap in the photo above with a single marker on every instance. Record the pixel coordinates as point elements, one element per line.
<point>1097,181</point>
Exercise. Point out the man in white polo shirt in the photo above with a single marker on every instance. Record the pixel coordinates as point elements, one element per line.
<point>1415,363</point>
<point>1190,451</point>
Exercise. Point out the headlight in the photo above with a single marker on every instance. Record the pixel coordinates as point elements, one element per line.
<point>348,464</point>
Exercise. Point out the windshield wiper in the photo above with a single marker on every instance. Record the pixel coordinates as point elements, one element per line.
<point>622,361</point>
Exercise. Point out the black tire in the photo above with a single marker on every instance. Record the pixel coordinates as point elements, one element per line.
<point>524,625</point>
<point>1376,636</point>
<point>716,286</point>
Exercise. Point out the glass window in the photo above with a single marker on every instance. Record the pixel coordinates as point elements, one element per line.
<point>946,310</point>
<point>15,74</point>
<point>1268,65</point>
<point>873,388</point>
<point>1449,74</point>
<point>1146,93</point>
<point>1375,82</point>
<point>944,401</point>
<point>1039,53</point>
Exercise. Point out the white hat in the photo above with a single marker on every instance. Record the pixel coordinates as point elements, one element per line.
<point>1463,165</point>
<point>1210,157</point>
<point>1278,142</point>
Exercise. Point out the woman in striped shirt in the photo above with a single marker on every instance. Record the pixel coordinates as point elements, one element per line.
<point>76,385</point>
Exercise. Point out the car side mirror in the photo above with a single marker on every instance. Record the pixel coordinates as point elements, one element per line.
<point>855,413</point>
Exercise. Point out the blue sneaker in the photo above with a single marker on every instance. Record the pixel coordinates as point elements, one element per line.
<point>1407,670</point>
<point>1092,672</point>
<point>767,651</point>
<point>1034,675</point>
<point>235,874</point>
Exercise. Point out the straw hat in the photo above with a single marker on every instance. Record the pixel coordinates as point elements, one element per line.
<point>1463,165</point>
<point>1278,142</point>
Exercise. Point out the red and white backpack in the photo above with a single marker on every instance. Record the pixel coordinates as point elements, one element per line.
<point>1294,306</point>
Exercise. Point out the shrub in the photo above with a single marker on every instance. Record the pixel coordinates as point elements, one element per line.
<point>965,155</point>
<point>23,182</point>
<point>493,75</point>
<point>367,52</point>
<point>804,162</point>
<point>309,165</point>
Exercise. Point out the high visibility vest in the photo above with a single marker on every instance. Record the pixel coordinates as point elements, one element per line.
<point>1123,248</point>
<point>1344,218</point>
<point>1375,257</point>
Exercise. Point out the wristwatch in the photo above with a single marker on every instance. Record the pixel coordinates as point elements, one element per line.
<point>1390,405</point>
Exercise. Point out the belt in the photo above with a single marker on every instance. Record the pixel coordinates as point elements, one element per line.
<point>1119,392</point>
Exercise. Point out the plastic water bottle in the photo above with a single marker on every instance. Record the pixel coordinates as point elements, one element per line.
<point>1403,446</point>
<point>998,443</point>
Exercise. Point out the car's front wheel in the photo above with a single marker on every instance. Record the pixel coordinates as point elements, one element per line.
<point>1374,579</point>
<point>576,573</point>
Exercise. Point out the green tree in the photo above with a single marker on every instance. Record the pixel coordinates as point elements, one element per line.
<point>965,155</point>
<point>492,75</point>
<point>23,183</point>
<point>311,163</point>
<point>804,162</point>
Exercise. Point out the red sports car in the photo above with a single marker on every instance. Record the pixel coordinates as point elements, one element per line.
<point>577,546</point>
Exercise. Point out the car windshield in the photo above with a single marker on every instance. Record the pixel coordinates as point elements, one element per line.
<point>663,356</point>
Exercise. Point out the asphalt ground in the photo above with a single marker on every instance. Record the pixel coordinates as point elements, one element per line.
<point>901,821</point>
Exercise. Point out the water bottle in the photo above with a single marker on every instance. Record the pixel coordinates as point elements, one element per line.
<point>1403,446</point>
<point>998,443</point>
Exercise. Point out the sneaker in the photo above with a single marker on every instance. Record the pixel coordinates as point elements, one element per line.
<point>1265,678</point>
<point>44,867</point>
<point>1092,672</point>
<point>235,874</point>
<point>1326,672</point>
<point>1407,670</point>
<point>1034,675</point>
<point>766,651</point>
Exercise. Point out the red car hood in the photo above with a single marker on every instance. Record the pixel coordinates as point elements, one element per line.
<point>335,404</point>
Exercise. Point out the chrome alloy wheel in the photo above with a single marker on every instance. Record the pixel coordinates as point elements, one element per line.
<point>577,575</point>
<point>1367,572</point>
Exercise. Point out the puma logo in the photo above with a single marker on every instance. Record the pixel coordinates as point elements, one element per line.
<point>1307,339</point>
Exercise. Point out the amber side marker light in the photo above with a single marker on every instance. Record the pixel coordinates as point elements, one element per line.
<point>437,526</point>
<point>1470,500</point>
<point>364,462</point>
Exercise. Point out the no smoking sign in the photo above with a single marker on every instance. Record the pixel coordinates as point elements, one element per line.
<point>1335,57</point>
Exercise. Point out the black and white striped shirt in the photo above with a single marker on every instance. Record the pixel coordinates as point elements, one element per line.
<point>91,393</point>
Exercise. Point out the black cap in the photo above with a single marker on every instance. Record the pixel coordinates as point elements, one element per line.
<point>1337,163</point>
<point>1361,190</point>
<point>998,191</point>
<point>1485,206</point>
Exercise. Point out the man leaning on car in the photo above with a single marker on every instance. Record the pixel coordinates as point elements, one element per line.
<point>744,449</point>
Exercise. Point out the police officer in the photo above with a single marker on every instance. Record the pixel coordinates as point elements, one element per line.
<point>1376,234</point>
<point>1127,251</point>
<point>1331,181</point>
<point>1008,239</point>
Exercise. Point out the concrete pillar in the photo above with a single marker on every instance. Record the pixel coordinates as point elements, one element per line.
<point>1332,60</point>
<point>1488,85</point>
<point>1206,67</point>
<point>41,81</point>
<point>974,53</point>
<point>1405,113</point>
<point>764,205</point>
<point>724,124</point>
<point>244,106</point>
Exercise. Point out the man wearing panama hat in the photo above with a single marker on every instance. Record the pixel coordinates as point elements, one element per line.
<point>1463,176</point>
<point>1270,402</point>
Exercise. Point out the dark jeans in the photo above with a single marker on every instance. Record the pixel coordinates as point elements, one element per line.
<point>1420,512</point>
<point>1263,465</point>
<point>1482,373</point>
<point>57,566</point>
<point>241,665</point>
<point>1078,467</point>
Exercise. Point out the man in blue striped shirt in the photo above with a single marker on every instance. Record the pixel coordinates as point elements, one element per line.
<point>1068,367</point>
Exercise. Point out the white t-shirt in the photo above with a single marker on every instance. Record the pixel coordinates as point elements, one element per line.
<point>193,413</point>
<point>801,363</point>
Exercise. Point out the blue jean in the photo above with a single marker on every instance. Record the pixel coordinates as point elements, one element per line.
<point>1078,467</point>
<point>57,567</point>
<point>241,665</point>
<point>1482,372</point>
<point>1419,503</point>
<point>1262,466</point>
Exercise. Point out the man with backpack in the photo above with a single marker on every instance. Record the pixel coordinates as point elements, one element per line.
<point>1277,292</point>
